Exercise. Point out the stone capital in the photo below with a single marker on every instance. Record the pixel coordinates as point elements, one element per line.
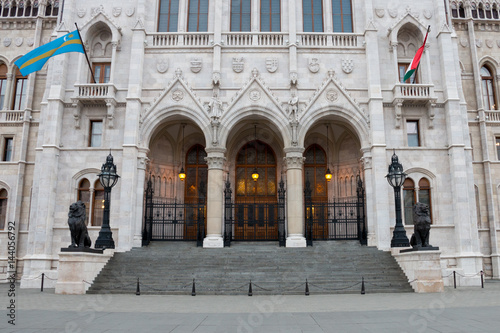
<point>215,162</point>
<point>294,162</point>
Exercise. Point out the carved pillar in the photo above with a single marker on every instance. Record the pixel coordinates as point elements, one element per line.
<point>142,163</point>
<point>295,197</point>
<point>215,196</point>
<point>7,102</point>
<point>114,44</point>
<point>394,49</point>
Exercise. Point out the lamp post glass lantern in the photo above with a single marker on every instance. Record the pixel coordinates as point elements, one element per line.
<point>108,178</point>
<point>396,178</point>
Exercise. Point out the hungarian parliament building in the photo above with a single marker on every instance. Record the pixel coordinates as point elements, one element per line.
<point>251,120</point>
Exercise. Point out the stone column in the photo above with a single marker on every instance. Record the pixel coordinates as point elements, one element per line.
<point>294,197</point>
<point>7,102</point>
<point>215,197</point>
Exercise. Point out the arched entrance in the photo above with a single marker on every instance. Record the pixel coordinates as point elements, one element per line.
<point>175,207</point>
<point>334,210</point>
<point>256,209</point>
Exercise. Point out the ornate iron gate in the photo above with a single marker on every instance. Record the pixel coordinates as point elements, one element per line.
<point>335,220</point>
<point>169,220</point>
<point>254,220</point>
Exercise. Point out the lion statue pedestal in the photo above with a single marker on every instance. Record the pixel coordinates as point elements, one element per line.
<point>80,240</point>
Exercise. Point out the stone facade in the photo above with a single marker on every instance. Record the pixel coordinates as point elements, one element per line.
<point>168,92</point>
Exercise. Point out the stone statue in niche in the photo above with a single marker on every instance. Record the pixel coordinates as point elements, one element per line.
<point>293,109</point>
<point>76,221</point>
<point>422,226</point>
<point>215,106</point>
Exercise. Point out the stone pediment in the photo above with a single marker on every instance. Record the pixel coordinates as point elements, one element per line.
<point>256,93</point>
<point>177,92</point>
<point>332,94</point>
<point>408,17</point>
<point>102,17</point>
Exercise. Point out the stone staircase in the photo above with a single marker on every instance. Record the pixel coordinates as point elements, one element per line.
<point>329,267</point>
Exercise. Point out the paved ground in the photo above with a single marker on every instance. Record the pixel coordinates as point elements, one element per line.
<point>467,309</point>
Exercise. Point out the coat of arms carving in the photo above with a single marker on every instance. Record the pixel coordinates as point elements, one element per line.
<point>19,41</point>
<point>81,12</point>
<point>130,11</point>
<point>7,41</point>
<point>177,95</point>
<point>271,64</point>
<point>117,11</point>
<point>347,65</point>
<point>162,65</point>
<point>313,64</point>
<point>238,64</point>
<point>196,65</point>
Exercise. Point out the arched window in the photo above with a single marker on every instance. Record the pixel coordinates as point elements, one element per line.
<point>315,169</point>
<point>480,11</point>
<point>240,15</point>
<point>424,193</point>
<point>198,15</point>
<point>270,15</point>
<point>342,15</point>
<point>312,13</point>
<point>3,208</point>
<point>98,204</point>
<point>473,7</point>
<point>169,16</point>
<point>495,12</point>
<point>52,8</point>
<point>487,10</point>
<point>84,195</point>
<point>20,91</point>
<point>461,11</point>
<point>454,9</point>
<point>3,84</point>
<point>409,199</point>
<point>488,89</point>
<point>196,174</point>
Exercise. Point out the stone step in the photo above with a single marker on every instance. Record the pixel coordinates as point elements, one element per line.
<point>330,267</point>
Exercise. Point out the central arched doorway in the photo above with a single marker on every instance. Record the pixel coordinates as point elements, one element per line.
<point>256,209</point>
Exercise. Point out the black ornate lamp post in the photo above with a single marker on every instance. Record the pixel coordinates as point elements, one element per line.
<point>108,178</point>
<point>396,178</point>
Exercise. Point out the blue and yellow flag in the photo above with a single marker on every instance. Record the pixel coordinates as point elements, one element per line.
<point>34,60</point>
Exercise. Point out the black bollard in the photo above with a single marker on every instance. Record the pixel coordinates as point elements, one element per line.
<point>482,279</point>
<point>362,285</point>
<point>193,291</point>
<point>43,278</point>
<point>138,290</point>
<point>250,289</point>
<point>455,279</point>
<point>307,288</point>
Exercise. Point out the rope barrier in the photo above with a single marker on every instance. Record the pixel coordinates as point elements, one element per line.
<point>334,289</point>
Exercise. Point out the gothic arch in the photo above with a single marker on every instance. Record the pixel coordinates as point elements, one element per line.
<point>352,118</point>
<point>275,117</point>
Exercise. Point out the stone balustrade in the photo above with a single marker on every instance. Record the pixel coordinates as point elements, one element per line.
<point>11,116</point>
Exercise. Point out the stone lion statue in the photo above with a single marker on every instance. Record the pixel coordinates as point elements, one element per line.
<point>76,221</point>
<point>422,225</point>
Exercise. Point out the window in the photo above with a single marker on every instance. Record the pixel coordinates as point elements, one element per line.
<point>315,169</point>
<point>424,193</point>
<point>412,133</point>
<point>402,67</point>
<point>84,196</point>
<point>240,15</point>
<point>454,9</point>
<point>312,15</point>
<point>495,12</point>
<point>198,15</point>
<point>3,84</point>
<point>497,144</point>
<point>97,204</point>
<point>20,92</point>
<point>342,15</point>
<point>461,11</point>
<point>7,150</point>
<point>169,15</point>
<point>52,8</point>
<point>95,133</point>
<point>3,208</point>
<point>488,89</point>
<point>481,11</point>
<point>487,10</point>
<point>473,7</point>
<point>409,199</point>
<point>196,174</point>
<point>102,71</point>
<point>270,15</point>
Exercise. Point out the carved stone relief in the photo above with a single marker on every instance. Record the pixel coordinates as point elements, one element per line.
<point>332,95</point>
<point>18,41</point>
<point>177,95</point>
<point>196,65</point>
<point>162,65</point>
<point>81,12</point>
<point>238,64</point>
<point>347,65</point>
<point>313,65</point>
<point>130,11</point>
<point>117,11</point>
<point>254,95</point>
<point>7,41</point>
<point>380,12</point>
<point>271,64</point>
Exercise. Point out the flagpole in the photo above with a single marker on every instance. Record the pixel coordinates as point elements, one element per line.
<point>416,70</point>
<point>85,51</point>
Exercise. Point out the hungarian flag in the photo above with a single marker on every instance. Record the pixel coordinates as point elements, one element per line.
<point>416,60</point>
